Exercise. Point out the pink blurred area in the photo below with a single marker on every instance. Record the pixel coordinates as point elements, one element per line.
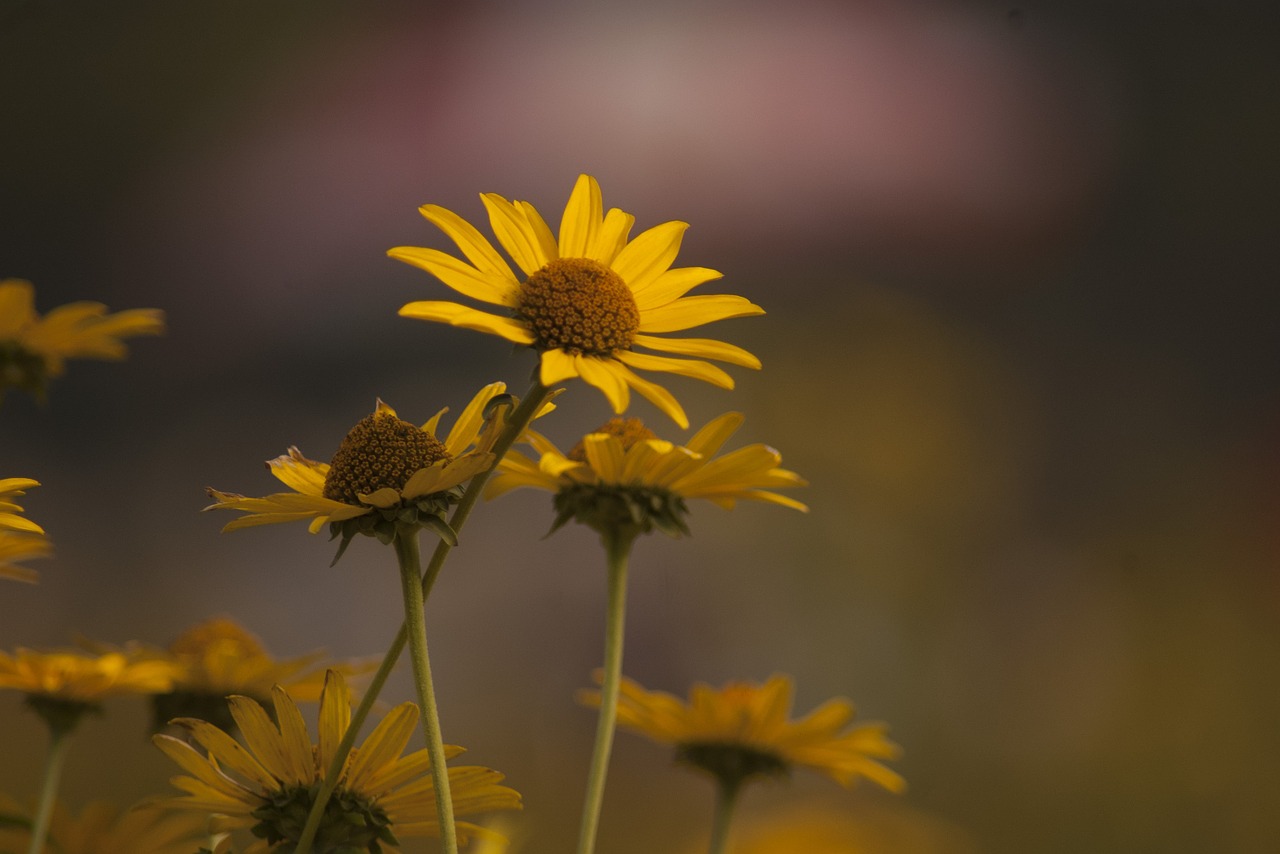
<point>1019,279</point>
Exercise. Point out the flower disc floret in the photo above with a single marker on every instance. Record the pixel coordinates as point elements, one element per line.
<point>579,306</point>
<point>381,452</point>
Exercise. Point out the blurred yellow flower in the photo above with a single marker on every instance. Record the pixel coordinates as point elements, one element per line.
<point>101,828</point>
<point>624,474</point>
<point>267,786</point>
<point>34,349</point>
<point>741,731</point>
<point>80,677</point>
<point>587,297</point>
<point>386,472</point>
<point>219,657</point>
<point>20,538</point>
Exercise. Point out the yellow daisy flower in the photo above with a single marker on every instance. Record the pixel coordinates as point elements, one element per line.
<point>220,657</point>
<point>20,538</point>
<point>587,298</point>
<point>80,677</point>
<point>101,828</point>
<point>386,473</point>
<point>34,349</point>
<point>623,474</point>
<point>741,731</point>
<point>267,786</point>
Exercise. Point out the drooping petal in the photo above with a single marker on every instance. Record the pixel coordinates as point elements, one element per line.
<point>601,374</point>
<point>468,318</point>
<point>478,284</point>
<point>694,368</point>
<point>705,348</point>
<point>556,367</point>
<point>657,395</point>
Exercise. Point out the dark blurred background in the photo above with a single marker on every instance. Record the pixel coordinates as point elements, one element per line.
<point>1020,269</point>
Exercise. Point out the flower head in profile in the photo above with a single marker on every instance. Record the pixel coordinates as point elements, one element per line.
<point>741,731</point>
<point>20,538</point>
<point>101,828</point>
<point>623,475</point>
<point>34,349</point>
<point>386,474</point>
<point>61,686</point>
<point>584,298</point>
<point>219,657</point>
<point>267,785</point>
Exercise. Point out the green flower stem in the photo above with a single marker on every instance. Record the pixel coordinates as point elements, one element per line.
<point>617,549</point>
<point>726,799</point>
<point>59,739</point>
<point>406,545</point>
<point>519,420</point>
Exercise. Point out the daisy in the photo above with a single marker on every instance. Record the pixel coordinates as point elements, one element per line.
<point>742,730</point>
<point>20,538</point>
<point>34,349</point>
<point>101,828</point>
<point>386,473</point>
<point>623,474</point>
<point>585,299</point>
<point>267,785</point>
<point>219,657</point>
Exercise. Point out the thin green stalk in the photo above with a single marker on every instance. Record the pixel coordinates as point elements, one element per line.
<point>726,800</point>
<point>59,739</point>
<point>406,544</point>
<point>617,550</point>
<point>519,420</point>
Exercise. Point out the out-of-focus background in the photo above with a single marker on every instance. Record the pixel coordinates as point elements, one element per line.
<point>1021,279</point>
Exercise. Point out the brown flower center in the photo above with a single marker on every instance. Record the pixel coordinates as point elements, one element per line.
<point>381,451</point>
<point>579,306</point>
<point>627,430</point>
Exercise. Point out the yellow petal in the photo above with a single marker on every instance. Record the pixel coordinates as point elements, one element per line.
<point>468,318</point>
<point>382,498</point>
<point>649,255</point>
<point>715,433</point>
<point>459,275</point>
<point>601,374</point>
<point>582,218</point>
<point>698,370</point>
<point>478,250</point>
<point>604,453</point>
<point>672,285</point>
<point>556,367</point>
<point>335,716</point>
<point>689,312</point>
<point>657,395</point>
<point>611,237</point>
<point>705,348</point>
<point>514,233</point>
<point>538,229</point>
